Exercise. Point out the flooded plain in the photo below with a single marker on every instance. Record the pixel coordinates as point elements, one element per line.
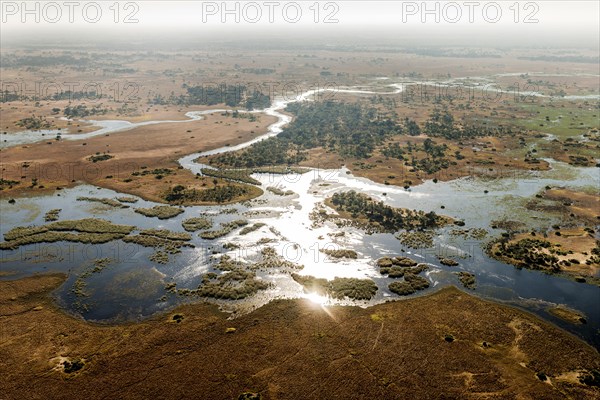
<point>132,286</point>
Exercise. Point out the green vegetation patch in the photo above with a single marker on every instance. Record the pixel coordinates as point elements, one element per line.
<point>127,199</point>
<point>350,129</point>
<point>280,192</point>
<point>7,183</point>
<point>180,194</point>
<point>161,212</point>
<point>232,285</point>
<point>246,230</point>
<point>339,288</point>
<point>377,217</point>
<point>271,259</point>
<point>416,240</point>
<point>34,123</point>
<point>528,253</point>
<point>103,200</point>
<point>52,215</point>
<point>88,230</point>
<point>397,267</point>
<point>467,279</point>
<point>448,262</point>
<point>474,233</point>
<point>196,224</point>
<point>166,241</point>
<point>239,175</point>
<point>411,284</point>
<point>225,230</point>
<point>340,253</point>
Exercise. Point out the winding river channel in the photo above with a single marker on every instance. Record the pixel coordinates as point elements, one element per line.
<point>133,286</point>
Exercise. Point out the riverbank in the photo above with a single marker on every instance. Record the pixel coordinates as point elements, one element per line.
<point>454,344</point>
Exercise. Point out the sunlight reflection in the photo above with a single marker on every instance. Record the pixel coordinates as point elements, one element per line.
<point>317,299</point>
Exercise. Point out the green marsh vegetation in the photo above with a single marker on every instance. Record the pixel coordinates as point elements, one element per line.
<point>251,228</point>
<point>218,194</point>
<point>403,267</point>
<point>339,288</point>
<point>88,230</point>
<point>375,216</point>
<point>231,174</point>
<point>196,224</point>
<point>52,215</point>
<point>103,200</point>
<point>351,129</point>
<point>280,192</point>
<point>467,279</point>
<point>160,212</point>
<point>340,253</point>
<point>226,228</point>
<point>164,241</point>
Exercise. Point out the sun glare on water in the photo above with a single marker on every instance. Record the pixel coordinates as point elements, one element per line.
<point>317,299</point>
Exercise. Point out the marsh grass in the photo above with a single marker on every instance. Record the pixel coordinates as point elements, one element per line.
<point>160,212</point>
<point>467,279</point>
<point>226,228</point>
<point>340,253</point>
<point>89,230</point>
<point>339,288</point>
<point>411,284</point>
<point>104,200</point>
<point>52,215</point>
<point>196,224</point>
<point>416,239</point>
<point>280,192</point>
<point>246,230</point>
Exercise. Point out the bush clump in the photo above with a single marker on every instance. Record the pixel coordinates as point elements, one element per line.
<point>225,230</point>
<point>88,230</point>
<point>340,253</point>
<point>161,212</point>
<point>196,224</point>
<point>339,288</point>
<point>467,279</point>
<point>411,284</point>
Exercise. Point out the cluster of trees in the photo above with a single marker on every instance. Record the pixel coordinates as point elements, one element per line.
<point>258,71</point>
<point>45,61</point>
<point>232,95</point>
<point>70,95</point>
<point>351,130</point>
<point>272,151</point>
<point>82,111</point>
<point>528,253</point>
<point>34,123</point>
<point>434,160</point>
<point>412,128</point>
<point>219,194</point>
<point>441,124</point>
<point>390,219</point>
<point>393,150</point>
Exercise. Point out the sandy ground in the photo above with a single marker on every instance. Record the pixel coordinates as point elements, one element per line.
<point>290,350</point>
<point>65,163</point>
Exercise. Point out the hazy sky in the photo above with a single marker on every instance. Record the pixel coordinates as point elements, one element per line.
<point>467,22</point>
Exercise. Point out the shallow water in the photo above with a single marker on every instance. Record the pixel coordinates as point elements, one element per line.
<point>131,287</point>
<point>105,127</point>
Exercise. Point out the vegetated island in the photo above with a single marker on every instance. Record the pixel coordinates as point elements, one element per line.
<point>360,210</point>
